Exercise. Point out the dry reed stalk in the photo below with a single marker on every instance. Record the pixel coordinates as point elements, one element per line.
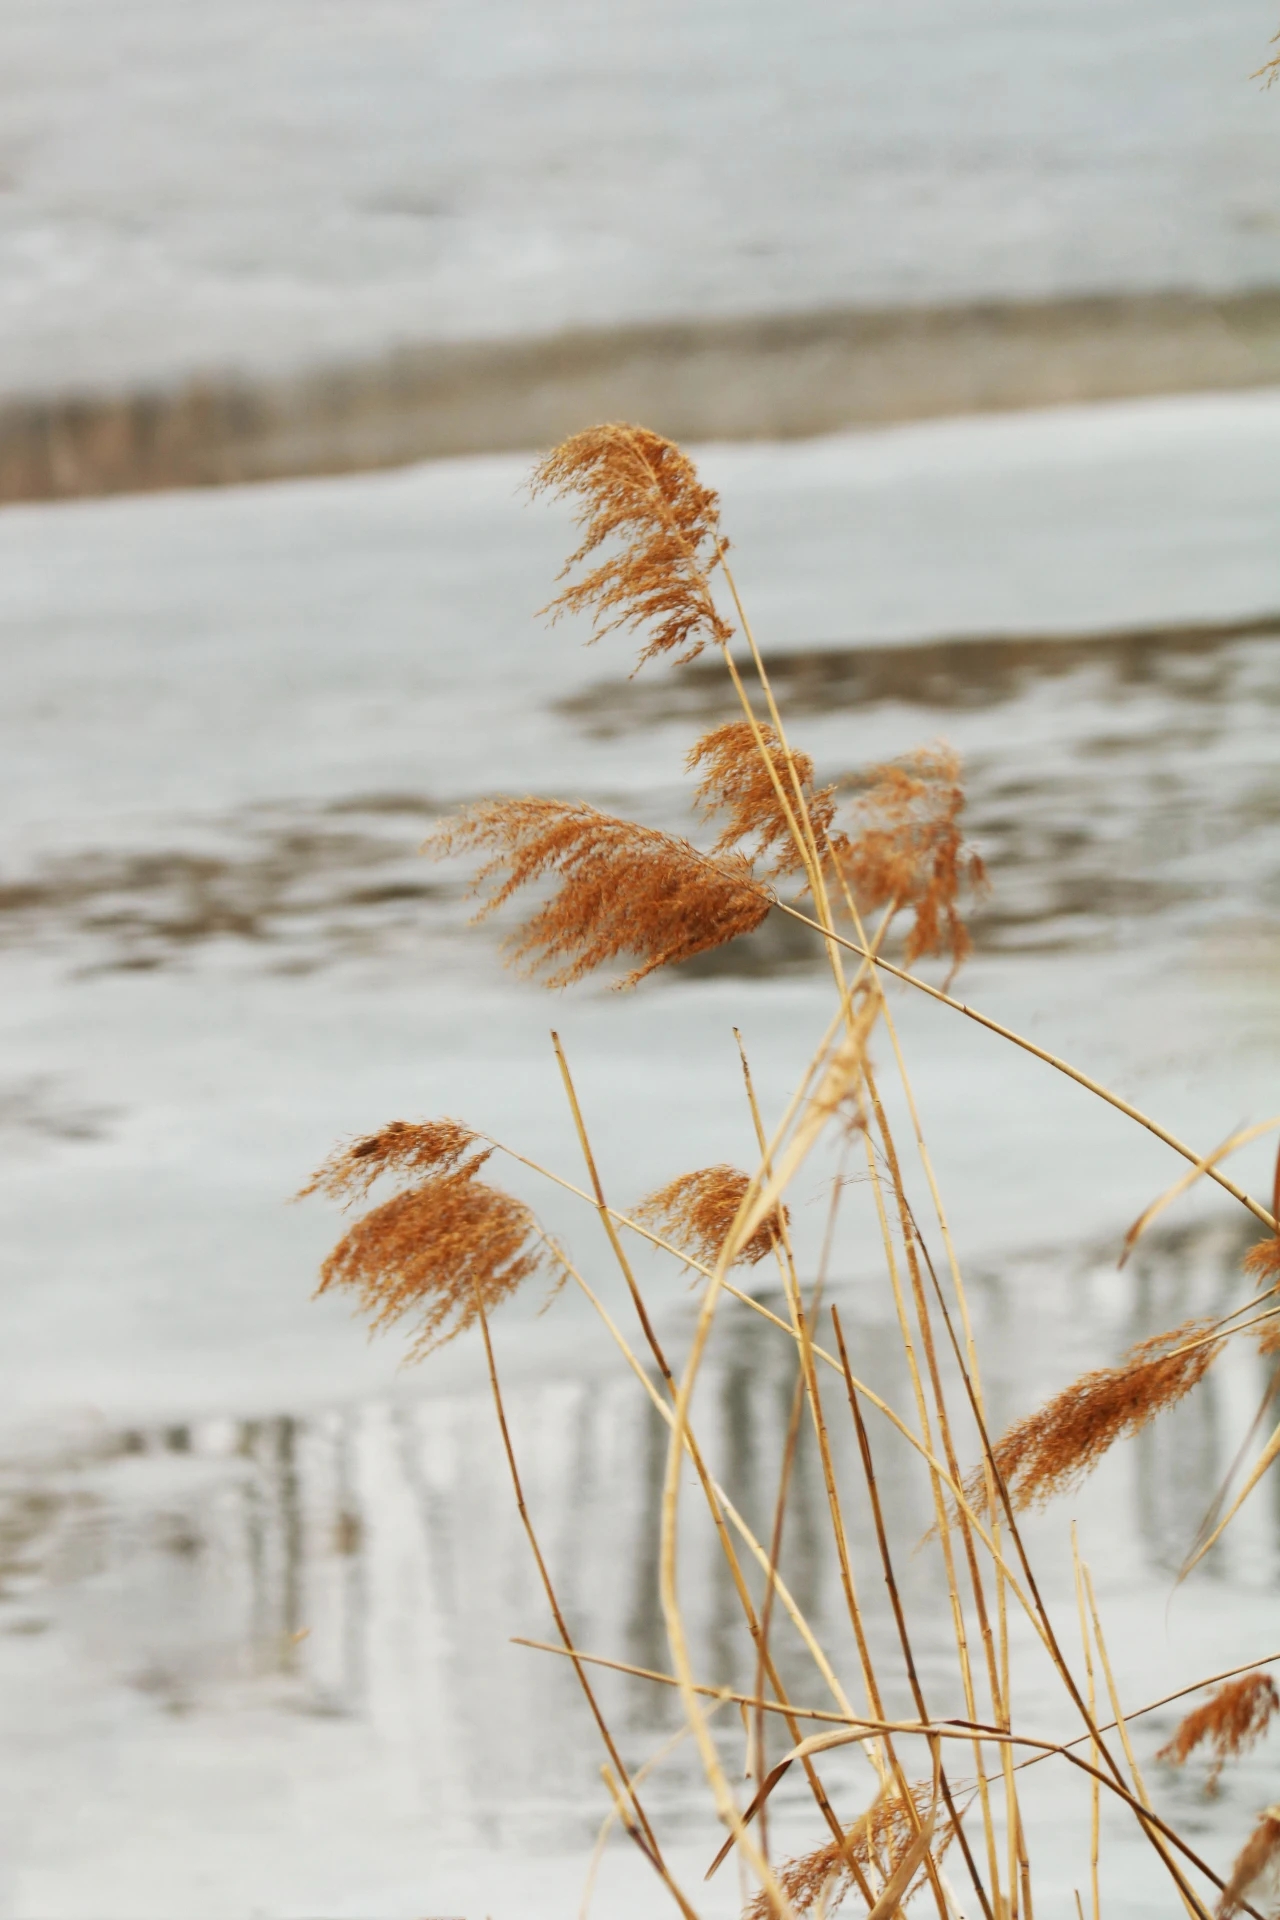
<point>887,1765</point>
<point>892,1775</point>
<point>899,1616</point>
<point>1188,1180</point>
<point>623,889</point>
<point>640,1830</point>
<point>1095,1791</point>
<point>1154,1829</point>
<point>1055,1447</point>
<point>711,1493</point>
<point>1121,1723</point>
<point>968,1363</point>
<point>1233,1719</point>
<point>941,1478</point>
<point>1054,1060</point>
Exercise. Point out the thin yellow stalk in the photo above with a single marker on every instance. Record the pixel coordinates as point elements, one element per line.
<point>801,1328</point>
<point>941,1728</point>
<point>1121,1723</point>
<point>941,1521</point>
<point>724,1505</point>
<point>900,1620</point>
<point>1095,1792</point>
<point>909,1240</point>
<point>710,1491</point>
<point>1051,1059</point>
<point>643,1832</point>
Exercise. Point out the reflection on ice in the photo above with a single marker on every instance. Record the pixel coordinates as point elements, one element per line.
<point>363,1566</point>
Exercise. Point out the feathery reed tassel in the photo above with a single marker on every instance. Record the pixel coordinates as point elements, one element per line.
<point>878,1841</point>
<point>1233,1719</point>
<point>440,1250</point>
<point>736,783</point>
<point>623,888</point>
<point>642,491</point>
<point>1262,1262</point>
<point>1258,1861</point>
<point>1056,1446</point>
<point>399,1147</point>
<point>697,1210</point>
<point>905,845</point>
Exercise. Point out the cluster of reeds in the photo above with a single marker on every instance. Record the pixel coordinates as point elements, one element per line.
<point>940,1821</point>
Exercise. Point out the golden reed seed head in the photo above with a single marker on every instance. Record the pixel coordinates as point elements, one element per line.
<point>737,786</point>
<point>1056,1446</point>
<point>622,889</point>
<point>1233,1719</point>
<point>697,1210</point>
<point>1257,1864</point>
<point>905,845</point>
<point>398,1148</point>
<point>877,1842</point>
<point>1262,1262</point>
<point>437,1253</point>
<point>641,492</point>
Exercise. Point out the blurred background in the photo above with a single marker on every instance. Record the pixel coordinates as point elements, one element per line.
<point>971,312</point>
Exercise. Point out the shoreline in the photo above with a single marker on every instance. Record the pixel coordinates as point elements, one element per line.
<point>748,378</point>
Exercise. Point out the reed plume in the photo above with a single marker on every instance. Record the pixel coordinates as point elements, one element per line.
<point>905,846</point>
<point>1258,1861</point>
<point>1233,1719</point>
<point>877,1842</point>
<point>740,781</point>
<point>642,492</point>
<point>1262,1262</point>
<point>440,1251</point>
<point>1062,1441</point>
<point>623,889</point>
<point>697,1210</point>
<point>398,1148</point>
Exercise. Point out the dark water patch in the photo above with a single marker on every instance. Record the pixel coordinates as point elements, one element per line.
<point>295,888</point>
<point>37,1109</point>
<point>1192,664</point>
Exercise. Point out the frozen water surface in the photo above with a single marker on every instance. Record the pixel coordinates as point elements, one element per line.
<point>266,183</point>
<point>229,719</point>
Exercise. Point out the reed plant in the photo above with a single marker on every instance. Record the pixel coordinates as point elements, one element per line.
<point>875,867</point>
